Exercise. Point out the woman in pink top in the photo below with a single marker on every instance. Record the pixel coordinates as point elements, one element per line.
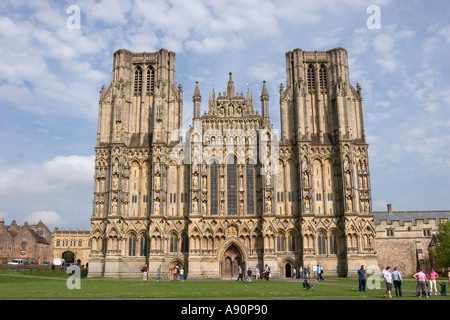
<point>433,275</point>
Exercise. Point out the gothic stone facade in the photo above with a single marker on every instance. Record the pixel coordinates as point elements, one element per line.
<point>234,191</point>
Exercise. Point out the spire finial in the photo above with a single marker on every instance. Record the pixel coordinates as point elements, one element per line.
<point>230,88</point>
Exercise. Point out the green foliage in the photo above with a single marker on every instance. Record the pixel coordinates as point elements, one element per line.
<point>442,248</point>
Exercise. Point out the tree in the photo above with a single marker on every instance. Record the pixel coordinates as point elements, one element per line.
<point>442,248</point>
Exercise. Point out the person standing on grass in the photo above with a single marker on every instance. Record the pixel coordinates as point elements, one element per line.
<point>432,275</point>
<point>159,273</point>
<point>145,273</point>
<point>421,283</point>
<point>308,272</point>
<point>388,279</point>
<point>257,274</point>
<point>249,275</point>
<point>181,274</point>
<point>362,279</point>
<point>397,277</point>
<point>175,274</point>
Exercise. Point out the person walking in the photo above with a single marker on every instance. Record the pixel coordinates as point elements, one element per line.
<point>294,273</point>
<point>388,279</point>
<point>421,283</point>
<point>257,274</point>
<point>159,273</point>
<point>362,279</point>
<point>266,273</point>
<point>239,274</point>
<point>397,278</point>
<point>432,275</point>
<point>300,272</point>
<point>319,273</point>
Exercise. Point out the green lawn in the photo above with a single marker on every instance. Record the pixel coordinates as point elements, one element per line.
<point>53,285</point>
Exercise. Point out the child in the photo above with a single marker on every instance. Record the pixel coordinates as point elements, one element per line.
<point>443,289</point>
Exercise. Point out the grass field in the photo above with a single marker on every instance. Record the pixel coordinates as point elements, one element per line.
<point>53,285</point>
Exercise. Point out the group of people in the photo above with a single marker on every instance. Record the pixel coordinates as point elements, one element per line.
<point>266,275</point>
<point>395,279</point>
<point>305,273</point>
<point>178,273</point>
<point>422,286</point>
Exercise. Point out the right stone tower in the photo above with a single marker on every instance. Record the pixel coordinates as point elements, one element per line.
<point>322,120</point>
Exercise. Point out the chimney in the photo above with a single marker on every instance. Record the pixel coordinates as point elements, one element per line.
<point>389,208</point>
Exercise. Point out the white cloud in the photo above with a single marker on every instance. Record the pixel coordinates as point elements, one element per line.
<point>59,174</point>
<point>107,11</point>
<point>267,71</point>
<point>49,217</point>
<point>445,31</point>
<point>207,45</point>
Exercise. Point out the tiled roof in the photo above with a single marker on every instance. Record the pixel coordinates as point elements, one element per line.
<point>403,216</point>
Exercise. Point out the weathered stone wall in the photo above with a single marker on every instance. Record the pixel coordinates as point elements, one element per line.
<point>399,253</point>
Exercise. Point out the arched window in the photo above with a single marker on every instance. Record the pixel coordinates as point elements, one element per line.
<point>184,243</point>
<point>321,244</point>
<point>250,172</point>
<point>333,244</point>
<point>213,189</point>
<point>23,246</point>
<point>132,245</point>
<point>323,77</point>
<point>138,80</point>
<point>291,242</point>
<point>143,246</point>
<point>231,186</point>
<point>173,243</point>
<point>311,78</point>
<point>150,80</point>
<point>281,242</point>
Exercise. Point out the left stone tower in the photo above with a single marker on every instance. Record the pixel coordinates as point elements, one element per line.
<point>140,112</point>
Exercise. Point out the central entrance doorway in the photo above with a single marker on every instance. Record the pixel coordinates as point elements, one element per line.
<point>232,259</point>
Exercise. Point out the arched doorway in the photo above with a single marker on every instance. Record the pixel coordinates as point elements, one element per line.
<point>287,267</point>
<point>68,256</point>
<point>232,259</point>
<point>176,263</point>
<point>287,270</point>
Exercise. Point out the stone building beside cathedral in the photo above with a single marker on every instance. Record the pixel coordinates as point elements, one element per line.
<point>234,191</point>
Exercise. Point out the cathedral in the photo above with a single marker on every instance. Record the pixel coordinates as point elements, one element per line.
<point>235,191</point>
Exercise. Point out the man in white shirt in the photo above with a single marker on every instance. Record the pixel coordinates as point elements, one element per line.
<point>388,278</point>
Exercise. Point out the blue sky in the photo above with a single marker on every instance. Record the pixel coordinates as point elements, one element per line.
<point>51,74</point>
